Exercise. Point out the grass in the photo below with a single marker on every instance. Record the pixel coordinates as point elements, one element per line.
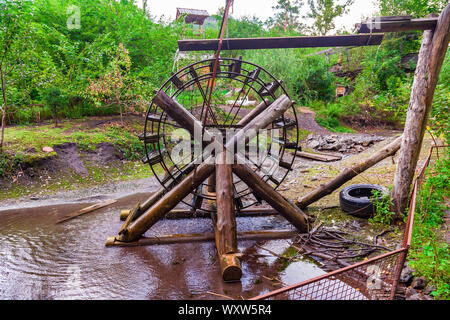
<point>429,255</point>
<point>24,147</point>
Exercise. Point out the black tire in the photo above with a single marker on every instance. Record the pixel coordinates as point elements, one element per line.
<point>355,199</point>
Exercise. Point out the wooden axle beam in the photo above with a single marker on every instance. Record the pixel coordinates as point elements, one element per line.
<point>281,42</point>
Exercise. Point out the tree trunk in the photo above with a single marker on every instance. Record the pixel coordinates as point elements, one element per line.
<point>5,105</point>
<point>431,57</point>
<point>349,174</point>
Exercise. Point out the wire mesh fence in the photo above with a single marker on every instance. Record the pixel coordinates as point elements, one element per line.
<point>373,279</point>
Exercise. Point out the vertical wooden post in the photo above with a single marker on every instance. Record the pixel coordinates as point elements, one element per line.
<point>225,226</point>
<point>431,56</point>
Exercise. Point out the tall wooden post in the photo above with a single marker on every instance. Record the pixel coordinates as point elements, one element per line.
<point>431,56</point>
<point>225,226</point>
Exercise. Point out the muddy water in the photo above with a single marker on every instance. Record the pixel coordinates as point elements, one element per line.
<point>44,260</point>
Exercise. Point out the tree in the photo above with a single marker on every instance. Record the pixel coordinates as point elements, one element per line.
<point>416,8</point>
<point>116,82</point>
<point>55,100</point>
<point>287,15</point>
<point>14,19</point>
<point>324,12</point>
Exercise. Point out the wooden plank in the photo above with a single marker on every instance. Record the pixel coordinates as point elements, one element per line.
<point>87,210</point>
<point>201,237</point>
<point>395,26</point>
<point>318,156</point>
<point>281,42</point>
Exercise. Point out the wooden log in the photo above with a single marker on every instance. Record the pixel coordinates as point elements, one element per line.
<point>288,210</point>
<point>349,174</point>
<point>167,202</point>
<point>252,114</point>
<point>200,237</point>
<point>87,210</point>
<point>375,26</point>
<point>318,156</point>
<point>212,183</point>
<point>225,226</point>
<point>431,56</point>
<point>281,42</point>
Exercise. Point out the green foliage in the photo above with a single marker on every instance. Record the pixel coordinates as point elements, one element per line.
<point>429,254</point>
<point>416,8</point>
<point>382,204</point>
<point>440,120</point>
<point>55,99</point>
<point>324,12</point>
<point>286,17</point>
<point>328,116</point>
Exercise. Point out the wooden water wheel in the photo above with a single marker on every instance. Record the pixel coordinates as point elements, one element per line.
<point>241,90</point>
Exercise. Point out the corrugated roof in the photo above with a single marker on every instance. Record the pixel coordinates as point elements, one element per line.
<point>196,12</point>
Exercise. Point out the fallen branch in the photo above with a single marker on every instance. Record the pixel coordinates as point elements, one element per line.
<point>349,174</point>
<point>87,210</point>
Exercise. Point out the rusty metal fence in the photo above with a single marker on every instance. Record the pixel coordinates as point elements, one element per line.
<point>373,279</point>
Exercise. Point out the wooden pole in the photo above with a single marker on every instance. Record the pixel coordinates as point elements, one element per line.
<point>287,209</point>
<point>349,174</point>
<point>225,226</point>
<point>200,237</point>
<point>431,56</point>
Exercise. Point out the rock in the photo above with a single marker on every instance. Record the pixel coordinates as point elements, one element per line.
<point>429,289</point>
<point>410,291</point>
<point>419,283</point>
<point>48,149</point>
<point>416,296</point>
<point>407,274</point>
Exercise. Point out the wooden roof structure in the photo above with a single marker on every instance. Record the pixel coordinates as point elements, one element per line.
<point>195,16</point>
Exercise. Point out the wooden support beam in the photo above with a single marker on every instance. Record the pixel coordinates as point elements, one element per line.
<point>167,202</point>
<point>431,56</point>
<point>349,174</point>
<point>201,237</point>
<point>288,210</point>
<point>374,25</point>
<point>253,113</point>
<point>225,225</point>
<point>281,42</point>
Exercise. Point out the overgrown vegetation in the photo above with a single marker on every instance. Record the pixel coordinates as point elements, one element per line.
<point>430,253</point>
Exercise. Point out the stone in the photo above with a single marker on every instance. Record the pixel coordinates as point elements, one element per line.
<point>407,274</point>
<point>419,283</point>
<point>416,296</point>
<point>429,289</point>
